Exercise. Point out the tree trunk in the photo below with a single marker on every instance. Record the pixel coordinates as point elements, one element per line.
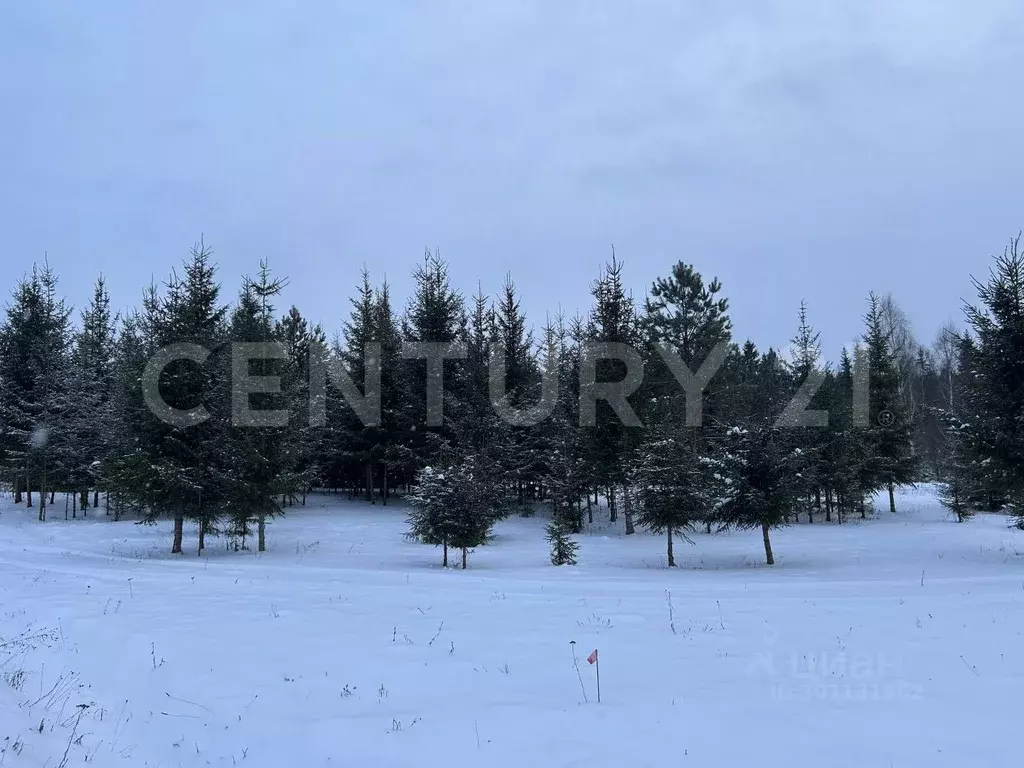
<point>767,544</point>
<point>28,497</point>
<point>627,508</point>
<point>590,510</point>
<point>95,499</point>
<point>444,557</point>
<point>613,513</point>
<point>384,488</point>
<point>708,524</point>
<point>66,505</point>
<point>892,500</point>
<point>179,528</point>
<point>53,496</point>
<point>202,538</point>
<point>464,553</point>
<point>261,532</point>
<point>828,505</point>
<point>17,489</point>
<point>671,550</point>
<point>84,503</point>
<point>370,495</point>
<point>74,506</point>
<point>42,498</point>
<point>863,509</point>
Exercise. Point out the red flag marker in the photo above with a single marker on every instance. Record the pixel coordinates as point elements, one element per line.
<point>593,659</point>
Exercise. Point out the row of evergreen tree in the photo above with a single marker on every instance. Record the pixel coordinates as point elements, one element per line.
<point>75,418</point>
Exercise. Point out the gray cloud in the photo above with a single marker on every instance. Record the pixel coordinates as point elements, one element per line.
<point>796,149</point>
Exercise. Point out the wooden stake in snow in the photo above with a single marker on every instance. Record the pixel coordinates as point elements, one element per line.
<point>572,645</point>
<point>593,659</point>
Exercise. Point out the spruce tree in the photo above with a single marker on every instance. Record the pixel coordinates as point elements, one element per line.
<point>304,345</point>
<point>890,432</point>
<point>612,321</point>
<point>93,376</point>
<point>996,385</point>
<point>38,417</point>
<point>454,507</point>
<point>259,468</point>
<point>761,459</point>
<point>564,549</point>
<point>808,376</point>
<point>177,467</point>
<point>511,346</point>
<point>435,314</point>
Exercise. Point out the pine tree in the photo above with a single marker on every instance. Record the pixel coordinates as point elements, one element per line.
<point>688,318</point>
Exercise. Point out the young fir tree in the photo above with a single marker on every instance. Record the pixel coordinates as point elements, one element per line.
<point>852,473</point>
<point>956,490</point>
<point>93,364</point>
<point>305,346</point>
<point>178,465</point>
<point>435,314</point>
<point>997,384</point>
<point>890,431</point>
<point>35,342</point>
<point>454,508</point>
<point>761,459</point>
<point>21,327</point>
<point>125,476</point>
<point>672,489</point>
<point>359,442</point>
<point>612,321</point>
<point>479,430</point>
<point>564,549</point>
<point>431,508</point>
<point>259,467</point>
<point>520,389</point>
<point>808,376</point>
<point>396,466</point>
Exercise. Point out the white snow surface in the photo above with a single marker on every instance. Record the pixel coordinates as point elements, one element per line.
<point>893,642</point>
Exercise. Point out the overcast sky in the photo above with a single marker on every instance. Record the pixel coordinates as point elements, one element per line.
<point>814,150</point>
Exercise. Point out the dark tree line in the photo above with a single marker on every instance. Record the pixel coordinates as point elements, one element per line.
<point>773,438</point>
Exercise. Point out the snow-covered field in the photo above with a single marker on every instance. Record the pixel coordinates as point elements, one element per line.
<point>893,642</point>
